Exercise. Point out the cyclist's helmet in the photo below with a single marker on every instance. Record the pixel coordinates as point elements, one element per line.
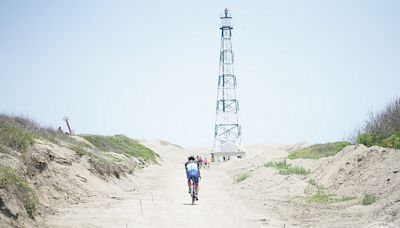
<point>191,158</point>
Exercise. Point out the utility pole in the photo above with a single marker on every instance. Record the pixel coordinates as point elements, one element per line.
<point>227,132</point>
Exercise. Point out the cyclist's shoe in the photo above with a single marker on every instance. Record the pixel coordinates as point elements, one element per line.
<point>189,191</point>
<point>197,198</point>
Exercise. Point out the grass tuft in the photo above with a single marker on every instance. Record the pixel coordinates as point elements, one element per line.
<point>368,199</point>
<point>313,182</point>
<point>285,168</point>
<point>241,177</point>
<point>318,151</point>
<point>321,196</point>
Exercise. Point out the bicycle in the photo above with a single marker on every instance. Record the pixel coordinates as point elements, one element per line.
<point>193,190</point>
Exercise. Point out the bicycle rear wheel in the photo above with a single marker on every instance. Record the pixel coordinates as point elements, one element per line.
<point>193,191</point>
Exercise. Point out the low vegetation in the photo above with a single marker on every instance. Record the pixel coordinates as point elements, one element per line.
<point>113,157</point>
<point>20,132</point>
<point>103,163</point>
<point>318,151</point>
<point>124,145</point>
<point>13,136</point>
<point>285,168</point>
<point>383,128</point>
<point>242,176</point>
<point>368,199</point>
<point>321,196</point>
<point>18,186</point>
<point>79,150</point>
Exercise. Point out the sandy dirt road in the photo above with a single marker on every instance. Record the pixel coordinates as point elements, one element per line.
<point>160,199</point>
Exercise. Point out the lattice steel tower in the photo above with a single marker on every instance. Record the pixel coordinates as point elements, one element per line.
<point>228,134</point>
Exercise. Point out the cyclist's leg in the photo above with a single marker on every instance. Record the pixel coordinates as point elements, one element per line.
<point>196,183</point>
<point>189,182</point>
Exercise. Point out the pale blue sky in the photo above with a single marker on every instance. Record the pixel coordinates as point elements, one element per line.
<point>306,70</point>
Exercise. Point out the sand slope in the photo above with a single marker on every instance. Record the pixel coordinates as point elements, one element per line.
<point>265,199</point>
<point>353,172</point>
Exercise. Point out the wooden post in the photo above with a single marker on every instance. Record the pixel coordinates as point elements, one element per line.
<point>141,208</point>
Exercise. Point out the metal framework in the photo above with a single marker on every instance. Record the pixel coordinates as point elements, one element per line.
<point>227,133</point>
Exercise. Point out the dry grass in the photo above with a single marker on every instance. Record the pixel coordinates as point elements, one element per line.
<point>19,132</point>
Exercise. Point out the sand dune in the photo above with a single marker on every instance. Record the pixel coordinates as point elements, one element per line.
<point>264,199</point>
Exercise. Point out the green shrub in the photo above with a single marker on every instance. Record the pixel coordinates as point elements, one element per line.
<point>393,141</point>
<point>287,169</point>
<point>368,199</point>
<point>318,151</point>
<point>382,129</point>
<point>20,188</point>
<point>368,139</point>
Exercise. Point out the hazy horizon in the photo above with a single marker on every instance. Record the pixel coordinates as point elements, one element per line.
<point>307,71</point>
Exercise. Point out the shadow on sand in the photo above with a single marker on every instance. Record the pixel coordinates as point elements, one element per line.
<point>189,204</point>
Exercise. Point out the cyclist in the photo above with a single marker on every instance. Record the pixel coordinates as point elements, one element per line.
<point>200,162</point>
<point>206,163</point>
<point>192,170</point>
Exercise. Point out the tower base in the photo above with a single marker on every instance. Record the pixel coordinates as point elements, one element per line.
<point>226,156</point>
